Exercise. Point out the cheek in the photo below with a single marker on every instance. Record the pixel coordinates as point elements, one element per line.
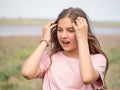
<point>75,42</point>
<point>58,36</point>
<point>74,39</point>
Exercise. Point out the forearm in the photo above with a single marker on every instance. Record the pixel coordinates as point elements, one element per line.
<point>87,70</point>
<point>31,66</point>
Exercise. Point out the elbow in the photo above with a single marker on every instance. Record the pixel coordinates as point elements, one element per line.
<point>26,74</point>
<point>87,79</point>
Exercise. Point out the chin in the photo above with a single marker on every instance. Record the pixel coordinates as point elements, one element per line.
<point>67,50</point>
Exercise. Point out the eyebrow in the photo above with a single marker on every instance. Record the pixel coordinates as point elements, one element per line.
<point>66,28</point>
<point>70,28</point>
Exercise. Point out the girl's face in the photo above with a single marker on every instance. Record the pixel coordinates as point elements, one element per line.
<point>66,35</point>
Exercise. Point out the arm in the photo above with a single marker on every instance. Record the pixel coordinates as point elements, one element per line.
<point>87,71</point>
<point>31,67</point>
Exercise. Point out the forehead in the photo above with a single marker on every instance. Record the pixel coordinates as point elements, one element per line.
<point>65,22</point>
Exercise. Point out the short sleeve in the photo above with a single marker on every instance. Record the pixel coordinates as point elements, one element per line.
<point>99,63</point>
<point>44,63</point>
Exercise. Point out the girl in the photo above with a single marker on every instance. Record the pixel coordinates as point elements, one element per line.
<point>75,60</point>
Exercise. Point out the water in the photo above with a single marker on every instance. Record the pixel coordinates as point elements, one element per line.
<point>107,30</point>
<point>14,30</point>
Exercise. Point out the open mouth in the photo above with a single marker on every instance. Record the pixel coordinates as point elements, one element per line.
<point>65,42</point>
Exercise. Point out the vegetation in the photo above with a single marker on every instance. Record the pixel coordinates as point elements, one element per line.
<point>22,21</point>
<point>15,50</point>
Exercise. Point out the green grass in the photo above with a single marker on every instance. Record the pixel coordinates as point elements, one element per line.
<point>114,55</point>
<point>15,50</point>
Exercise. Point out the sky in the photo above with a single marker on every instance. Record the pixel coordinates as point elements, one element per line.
<point>97,10</point>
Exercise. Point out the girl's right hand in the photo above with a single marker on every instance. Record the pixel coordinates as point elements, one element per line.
<point>47,30</point>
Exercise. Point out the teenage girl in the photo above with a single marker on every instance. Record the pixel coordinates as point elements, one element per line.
<point>75,60</point>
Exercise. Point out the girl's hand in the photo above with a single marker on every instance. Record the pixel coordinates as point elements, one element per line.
<point>81,28</point>
<point>47,30</point>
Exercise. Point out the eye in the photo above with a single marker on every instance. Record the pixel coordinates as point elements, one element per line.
<point>71,30</point>
<point>59,29</point>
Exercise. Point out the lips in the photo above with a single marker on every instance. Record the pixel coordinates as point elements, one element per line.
<point>65,43</point>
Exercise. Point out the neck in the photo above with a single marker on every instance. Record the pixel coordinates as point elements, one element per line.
<point>72,54</point>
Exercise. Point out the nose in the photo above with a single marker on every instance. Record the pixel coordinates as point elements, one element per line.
<point>64,34</point>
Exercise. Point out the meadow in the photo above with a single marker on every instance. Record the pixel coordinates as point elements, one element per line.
<point>14,51</point>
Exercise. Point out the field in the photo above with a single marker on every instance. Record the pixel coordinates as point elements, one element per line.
<point>14,51</point>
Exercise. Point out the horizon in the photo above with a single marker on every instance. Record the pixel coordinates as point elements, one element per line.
<point>102,10</point>
<point>48,19</point>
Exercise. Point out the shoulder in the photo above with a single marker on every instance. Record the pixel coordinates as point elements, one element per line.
<point>47,53</point>
<point>45,56</point>
<point>97,56</point>
<point>98,59</point>
<point>50,54</point>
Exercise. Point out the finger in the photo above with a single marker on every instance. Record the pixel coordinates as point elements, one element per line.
<point>80,20</point>
<point>83,21</point>
<point>53,25</point>
<point>74,26</point>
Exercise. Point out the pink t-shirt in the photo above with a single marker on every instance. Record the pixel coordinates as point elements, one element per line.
<point>64,72</point>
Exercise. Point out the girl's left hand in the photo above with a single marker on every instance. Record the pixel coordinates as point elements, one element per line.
<point>81,28</point>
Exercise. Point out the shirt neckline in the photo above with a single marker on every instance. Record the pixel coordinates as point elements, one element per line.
<point>69,59</point>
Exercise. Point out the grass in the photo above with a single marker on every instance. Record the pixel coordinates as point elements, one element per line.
<point>15,50</point>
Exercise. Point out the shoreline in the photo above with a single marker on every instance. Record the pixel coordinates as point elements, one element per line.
<point>21,21</point>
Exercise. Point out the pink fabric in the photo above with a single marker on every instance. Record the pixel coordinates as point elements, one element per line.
<point>64,72</point>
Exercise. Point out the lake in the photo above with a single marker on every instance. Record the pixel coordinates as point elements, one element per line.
<point>14,30</point>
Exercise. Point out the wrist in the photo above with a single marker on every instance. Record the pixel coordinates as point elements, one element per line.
<point>82,40</point>
<point>44,40</point>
